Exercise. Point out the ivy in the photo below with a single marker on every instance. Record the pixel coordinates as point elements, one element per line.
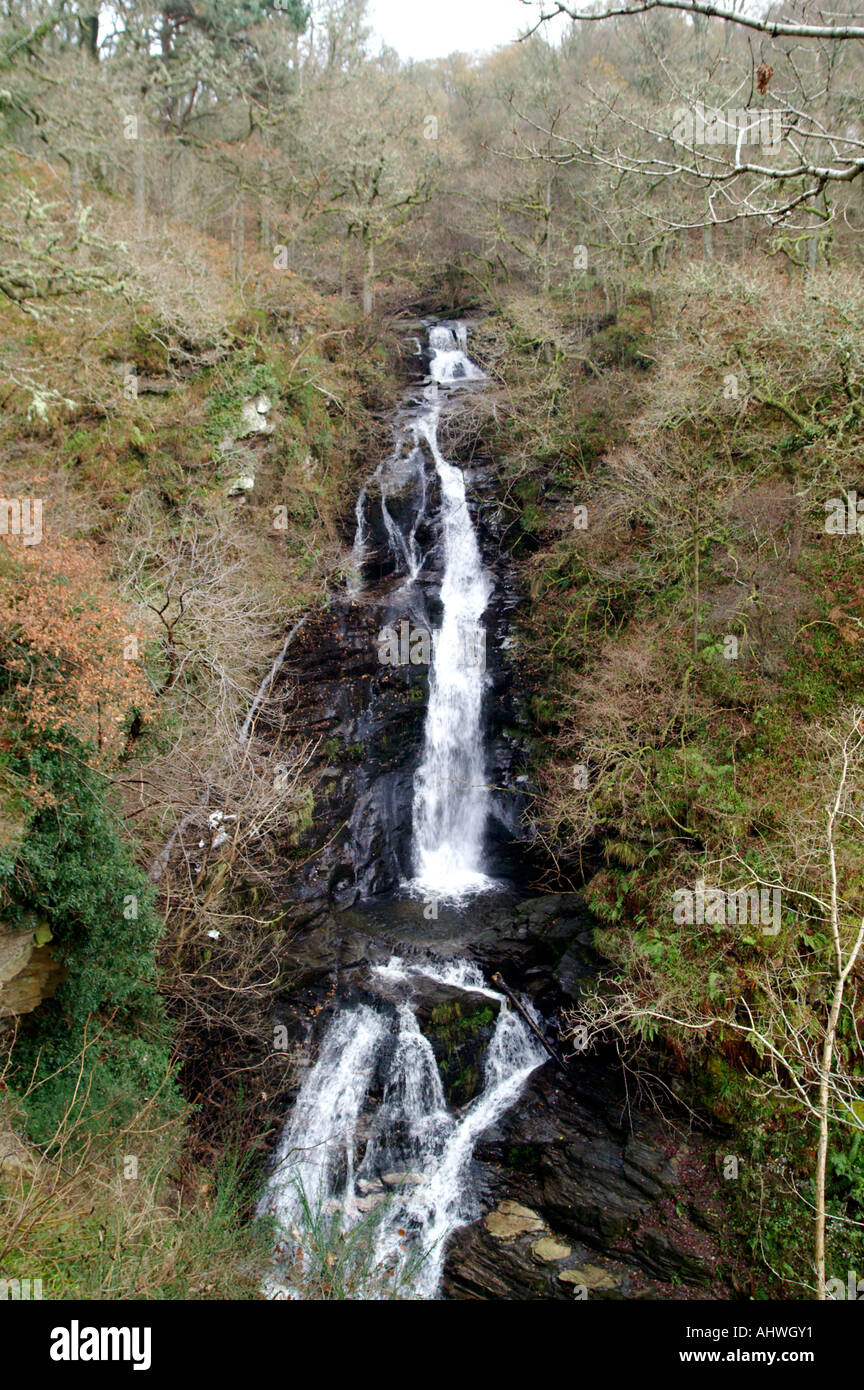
<point>74,877</point>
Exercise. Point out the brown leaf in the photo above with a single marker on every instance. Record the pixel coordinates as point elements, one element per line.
<point>764,73</point>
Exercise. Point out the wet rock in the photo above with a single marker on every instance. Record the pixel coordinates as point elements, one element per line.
<point>597,1282</point>
<point>402,1179</point>
<point>509,1219</point>
<point>549,1250</point>
<point>370,1202</point>
<point>539,912</point>
<point>648,1166</point>
<point>574,969</point>
<point>367,719</point>
<point>459,1026</point>
<point>480,1266</point>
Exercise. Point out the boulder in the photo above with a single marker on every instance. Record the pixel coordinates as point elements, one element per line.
<point>509,1220</point>
<point>16,1157</point>
<point>28,973</point>
<point>596,1280</point>
<point>547,1250</point>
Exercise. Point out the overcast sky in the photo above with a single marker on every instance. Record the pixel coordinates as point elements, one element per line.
<point>434,28</point>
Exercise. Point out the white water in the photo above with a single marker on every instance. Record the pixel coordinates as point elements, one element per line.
<point>334,1152</point>
<point>462,974</point>
<point>390,477</point>
<point>451,797</point>
<point>373,1106</point>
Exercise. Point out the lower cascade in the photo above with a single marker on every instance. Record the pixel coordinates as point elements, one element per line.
<point>372,1144</point>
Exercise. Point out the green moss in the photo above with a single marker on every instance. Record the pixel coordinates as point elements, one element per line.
<point>238,380</point>
<point>523,1157</point>
<point>453,1026</point>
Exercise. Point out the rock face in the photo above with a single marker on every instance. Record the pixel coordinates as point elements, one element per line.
<point>367,718</point>
<point>593,1174</point>
<point>28,973</point>
<point>17,1158</point>
<point>483,1265</point>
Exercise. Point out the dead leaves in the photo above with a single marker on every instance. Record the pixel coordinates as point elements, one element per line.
<point>764,73</point>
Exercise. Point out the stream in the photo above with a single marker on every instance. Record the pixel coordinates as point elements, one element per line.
<point>406,1162</point>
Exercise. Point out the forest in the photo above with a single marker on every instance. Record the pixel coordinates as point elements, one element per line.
<point>431,655</point>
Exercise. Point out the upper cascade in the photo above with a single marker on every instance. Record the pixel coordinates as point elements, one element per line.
<point>451,796</point>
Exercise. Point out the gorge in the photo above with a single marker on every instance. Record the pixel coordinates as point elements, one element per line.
<point>420,1064</point>
<point>431,655</point>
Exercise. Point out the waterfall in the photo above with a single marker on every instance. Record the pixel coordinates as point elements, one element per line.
<point>403,1166</point>
<point>372,1149</point>
<point>451,798</point>
<point>317,1147</point>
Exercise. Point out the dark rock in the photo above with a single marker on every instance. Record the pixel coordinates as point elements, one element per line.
<point>665,1254</point>
<point>485,1263</point>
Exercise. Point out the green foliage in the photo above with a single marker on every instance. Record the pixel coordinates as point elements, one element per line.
<point>74,872</point>
<point>620,346</point>
<point>453,1025</point>
<point>335,1262</point>
<point>242,378</point>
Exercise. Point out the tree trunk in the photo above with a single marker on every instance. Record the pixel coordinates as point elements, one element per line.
<point>238,229</point>
<point>140,193</point>
<point>368,275</point>
<point>822,1151</point>
<point>74,186</point>
<point>813,243</point>
<point>343,269</point>
<point>89,26</point>
<point>696,549</point>
<point>265,237</point>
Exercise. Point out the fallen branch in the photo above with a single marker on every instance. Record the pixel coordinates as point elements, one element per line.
<point>496,980</point>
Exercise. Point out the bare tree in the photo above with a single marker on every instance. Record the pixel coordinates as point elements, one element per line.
<point>743,132</point>
<point>825,29</point>
<point>806,1001</point>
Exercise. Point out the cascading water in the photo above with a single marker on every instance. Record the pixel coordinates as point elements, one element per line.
<point>451,798</point>
<point>408,1160</point>
<point>371,1138</point>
